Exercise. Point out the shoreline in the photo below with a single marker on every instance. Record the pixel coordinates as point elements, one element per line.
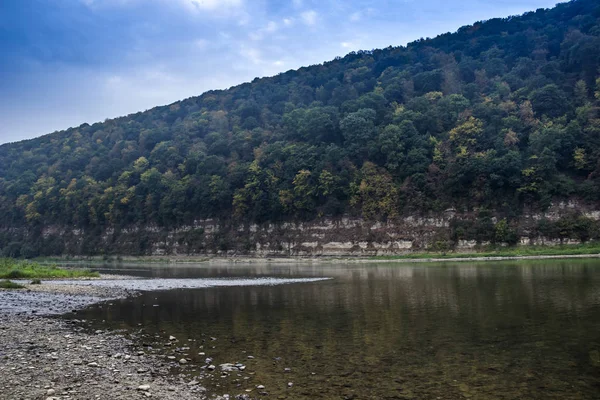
<point>43,356</point>
<point>418,258</point>
<point>46,354</point>
<point>49,358</point>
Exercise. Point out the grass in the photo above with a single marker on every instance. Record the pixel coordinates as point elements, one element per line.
<point>18,269</point>
<point>521,251</point>
<point>6,284</point>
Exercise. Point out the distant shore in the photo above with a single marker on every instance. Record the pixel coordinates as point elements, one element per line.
<point>526,253</point>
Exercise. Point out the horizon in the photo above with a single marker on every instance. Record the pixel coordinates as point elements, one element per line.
<point>63,83</point>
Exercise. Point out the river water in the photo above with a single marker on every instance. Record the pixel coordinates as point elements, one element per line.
<point>494,330</point>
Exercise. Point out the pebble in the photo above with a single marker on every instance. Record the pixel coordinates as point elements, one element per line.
<point>183,361</point>
<point>38,353</point>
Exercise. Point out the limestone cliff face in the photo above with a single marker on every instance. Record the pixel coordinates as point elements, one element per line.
<point>344,236</point>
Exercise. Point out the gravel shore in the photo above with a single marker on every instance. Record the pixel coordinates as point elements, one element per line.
<point>50,358</point>
<point>42,357</point>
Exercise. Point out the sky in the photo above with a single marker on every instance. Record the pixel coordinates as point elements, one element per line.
<point>66,62</point>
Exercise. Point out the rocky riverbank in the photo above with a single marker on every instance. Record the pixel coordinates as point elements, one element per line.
<point>48,358</point>
<point>42,357</point>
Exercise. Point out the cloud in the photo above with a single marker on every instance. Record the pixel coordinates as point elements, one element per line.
<point>270,28</point>
<point>355,16</point>
<point>221,7</point>
<point>105,58</point>
<point>201,44</point>
<point>309,17</point>
<point>212,4</point>
<point>251,54</point>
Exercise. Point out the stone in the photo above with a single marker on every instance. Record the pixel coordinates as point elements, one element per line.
<point>143,388</point>
<point>93,364</point>
<point>172,338</point>
<point>183,361</point>
<point>211,367</point>
<point>50,392</point>
<point>227,367</point>
<point>260,387</point>
<point>290,384</point>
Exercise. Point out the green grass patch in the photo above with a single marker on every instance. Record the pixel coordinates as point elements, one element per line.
<point>520,251</point>
<point>6,284</point>
<point>17,269</point>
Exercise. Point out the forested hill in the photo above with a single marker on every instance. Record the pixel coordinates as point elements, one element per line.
<point>499,115</point>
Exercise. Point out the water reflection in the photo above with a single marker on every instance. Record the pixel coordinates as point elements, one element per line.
<point>384,331</point>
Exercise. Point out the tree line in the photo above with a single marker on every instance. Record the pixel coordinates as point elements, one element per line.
<point>500,115</point>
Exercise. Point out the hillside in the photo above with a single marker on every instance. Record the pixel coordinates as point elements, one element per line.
<point>498,117</point>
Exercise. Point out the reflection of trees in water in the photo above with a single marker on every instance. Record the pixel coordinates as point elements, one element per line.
<point>505,329</point>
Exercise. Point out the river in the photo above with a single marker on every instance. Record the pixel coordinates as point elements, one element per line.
<point>490,330</point>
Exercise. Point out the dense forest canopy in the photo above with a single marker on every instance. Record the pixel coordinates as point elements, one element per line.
<point>499,115</point>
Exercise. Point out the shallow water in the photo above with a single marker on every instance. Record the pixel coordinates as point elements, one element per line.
<point>510,330</point>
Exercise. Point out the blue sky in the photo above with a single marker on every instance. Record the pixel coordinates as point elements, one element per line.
<point>65,62</point>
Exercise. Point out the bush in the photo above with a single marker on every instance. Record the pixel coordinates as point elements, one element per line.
<point>12,250</point>
<point>15,274</point>
<point>28,251</point>
<point>10,285</point>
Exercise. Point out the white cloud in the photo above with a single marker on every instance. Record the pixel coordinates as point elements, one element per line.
<point>223,7</point>
<point>309,17</point>
<point>251,54</point>
<point>211,5</point>
<point>271,27</point>
<point>201,44</point>
<point>297,3</point>
<point>355,16</point>
<point>288,21</point>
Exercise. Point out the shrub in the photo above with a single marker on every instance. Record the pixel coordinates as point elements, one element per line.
<point>15,274</point>
<point>10,285</point>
